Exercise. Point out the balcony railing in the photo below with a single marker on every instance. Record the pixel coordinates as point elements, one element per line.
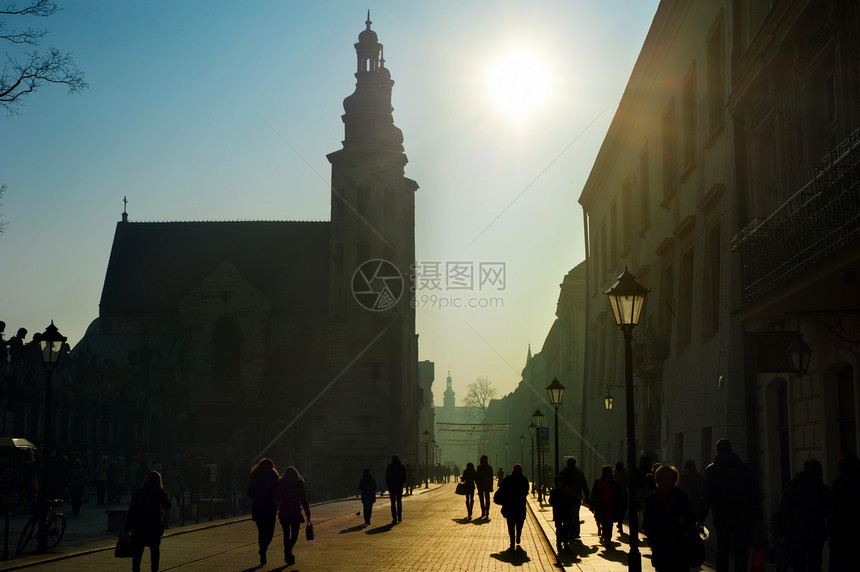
<point>820,219</point>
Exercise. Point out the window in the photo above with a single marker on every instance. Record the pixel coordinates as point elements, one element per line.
<point>685,299</point>
<point>644,188</point>
<point>716,78</point>
<point>626,215</point>
<point>688,119</point>
<point>226,355</point>
<point>667,302</point>
<point>711,286</point>
<point>669,167</point>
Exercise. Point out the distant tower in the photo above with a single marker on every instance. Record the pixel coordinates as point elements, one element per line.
<point>372,409</point>
<point>448,399</point>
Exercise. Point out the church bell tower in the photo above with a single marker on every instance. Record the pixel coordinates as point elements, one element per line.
<point>371,408</point>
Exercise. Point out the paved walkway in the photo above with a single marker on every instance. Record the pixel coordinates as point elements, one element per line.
<point>434,536</point>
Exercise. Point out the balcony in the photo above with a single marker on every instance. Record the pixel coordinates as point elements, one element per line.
<point>820,219</point>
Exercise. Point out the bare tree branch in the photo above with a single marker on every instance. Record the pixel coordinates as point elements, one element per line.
<point>36,8</point>
<point>27,72</point>
<point>480,393</point>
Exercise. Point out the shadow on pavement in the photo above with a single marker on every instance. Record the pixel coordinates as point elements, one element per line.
<point>378,529</point>
<point>576,553</point>
<point>464,520</point>
<point>516,557</point>
<point>611,553</point>
<point>355,528</point>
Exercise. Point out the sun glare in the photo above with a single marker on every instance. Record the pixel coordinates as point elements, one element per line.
<point>518,83</point>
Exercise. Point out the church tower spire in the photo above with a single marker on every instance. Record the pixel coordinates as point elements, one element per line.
<point>372,348</point>
<point>449,400</point>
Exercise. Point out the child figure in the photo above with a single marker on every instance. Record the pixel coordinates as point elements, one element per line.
<point>561,500</point>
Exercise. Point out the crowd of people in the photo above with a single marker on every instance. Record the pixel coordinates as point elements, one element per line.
<point>674,505</point>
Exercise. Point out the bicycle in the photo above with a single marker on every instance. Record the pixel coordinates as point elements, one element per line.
<point>55,524</point>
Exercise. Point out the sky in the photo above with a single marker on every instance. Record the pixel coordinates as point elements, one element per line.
<point>220,111</point>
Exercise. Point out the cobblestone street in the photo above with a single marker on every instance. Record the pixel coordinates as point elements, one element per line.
<point>433,536</point>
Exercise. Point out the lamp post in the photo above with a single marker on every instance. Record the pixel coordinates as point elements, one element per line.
<point>51,343</point>
<point>426,437</point>
<point>522,440</point>
<point>555,390</point>
<point>538,419</point>
<point>627,296</point>
<point>532,432</point>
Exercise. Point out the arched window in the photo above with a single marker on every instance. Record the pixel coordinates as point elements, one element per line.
<point>226,354</point>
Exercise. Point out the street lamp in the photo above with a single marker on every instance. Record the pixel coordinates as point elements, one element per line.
<point>426,437</point>
<point>627,297</point>
<point>532,431</point>
<point>51,344</point>
<point>555,390</point>
<point>522,440</point>
<point>608,401</point>
<point>538,420</point>
<point>799,353</point>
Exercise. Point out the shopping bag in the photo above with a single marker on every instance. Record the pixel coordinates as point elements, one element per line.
<point>309,532</point>
<point>123,547</point>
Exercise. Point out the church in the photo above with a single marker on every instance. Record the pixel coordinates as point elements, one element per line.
<point>290,340</point>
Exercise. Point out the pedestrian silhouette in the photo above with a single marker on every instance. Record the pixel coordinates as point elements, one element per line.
<point>515,489</point>
<point>801,517</point>
<point>727,492</point>
<point>145,520</point>
<point>484,483</point>
<point>292,499</point>
<point>667,520</point>
<point>261,491</point>
<point>843,522</point>
<point>367,490</point>
<point>468,479</point>
<point>395,478</point>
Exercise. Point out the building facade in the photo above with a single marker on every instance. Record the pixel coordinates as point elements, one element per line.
<point>725,185</point>
<point>236,340</point>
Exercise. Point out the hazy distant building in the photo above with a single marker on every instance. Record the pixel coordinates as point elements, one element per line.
<point>457,429</point>
<point>291,339</point>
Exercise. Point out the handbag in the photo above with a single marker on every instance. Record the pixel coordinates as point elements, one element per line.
<point>461,489</point>
<point>123,548</point>
<point>499,496</point>
<point>309,532</point>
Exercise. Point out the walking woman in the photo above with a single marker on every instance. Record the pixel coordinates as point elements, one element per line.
<point>292,498</point>
<point>468,479</point>
<point>367,490</point>
<point>145,520</point>
<point>667,519</point>
<point>515,489</point>
<point>261,491</point>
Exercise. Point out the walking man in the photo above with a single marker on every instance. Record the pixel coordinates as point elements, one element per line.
<point>727,492</point>
<point>395,478</point>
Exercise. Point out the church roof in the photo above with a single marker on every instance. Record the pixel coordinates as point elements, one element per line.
<point>153,265</point>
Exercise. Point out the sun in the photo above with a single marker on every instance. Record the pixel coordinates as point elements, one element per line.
<point>519,83</point>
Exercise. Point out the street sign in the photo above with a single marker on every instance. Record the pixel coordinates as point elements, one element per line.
<point>543,439</point>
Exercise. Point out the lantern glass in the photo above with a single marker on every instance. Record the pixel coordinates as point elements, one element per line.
<point>800,354</point>
<point>51,342</point>
<point>608,402</point>
<point>538,418</point>
<point>555,390</point>
<point>532,429</point>
<point>627,298</point>
<point>426,436</point>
